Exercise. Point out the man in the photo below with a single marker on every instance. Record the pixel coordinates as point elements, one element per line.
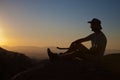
<point>78,50</point>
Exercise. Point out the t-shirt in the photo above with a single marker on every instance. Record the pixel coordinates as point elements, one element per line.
<point>98,42</point>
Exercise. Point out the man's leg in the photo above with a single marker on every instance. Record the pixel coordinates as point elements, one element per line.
<point>74,51</point>
<point>77,47</point>
<point>71,48</point>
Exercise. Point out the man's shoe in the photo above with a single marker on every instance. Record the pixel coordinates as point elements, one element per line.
<point>51,55</point>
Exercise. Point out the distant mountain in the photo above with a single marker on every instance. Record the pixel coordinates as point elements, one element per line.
<point>33,51</point>
<point>112,51</point>
<point>41,52</point>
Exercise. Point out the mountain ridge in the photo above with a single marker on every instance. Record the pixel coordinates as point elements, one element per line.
<point>41,52</point>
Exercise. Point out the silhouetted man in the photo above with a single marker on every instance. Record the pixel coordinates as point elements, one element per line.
<point>78,50</point>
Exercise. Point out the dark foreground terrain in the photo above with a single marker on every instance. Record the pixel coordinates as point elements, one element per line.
<point>16,66</point>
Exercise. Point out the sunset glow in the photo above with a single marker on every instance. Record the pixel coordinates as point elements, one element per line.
<point>2,40</point>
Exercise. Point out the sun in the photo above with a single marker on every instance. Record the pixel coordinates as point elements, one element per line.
<point>2,42</point>
<point>2,38</point>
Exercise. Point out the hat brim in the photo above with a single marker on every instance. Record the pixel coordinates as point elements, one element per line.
<point>89,22</point>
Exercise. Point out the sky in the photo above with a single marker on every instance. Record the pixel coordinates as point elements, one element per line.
<point>56,22</point>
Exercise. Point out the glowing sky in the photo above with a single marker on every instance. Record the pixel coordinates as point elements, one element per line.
<point>56,22</point>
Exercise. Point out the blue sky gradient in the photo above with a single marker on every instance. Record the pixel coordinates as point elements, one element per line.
<point>57,22</point>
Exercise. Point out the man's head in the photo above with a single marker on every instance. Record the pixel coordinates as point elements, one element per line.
<point>95,24</point>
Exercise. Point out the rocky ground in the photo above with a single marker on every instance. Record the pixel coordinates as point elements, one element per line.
<point>17,66</point>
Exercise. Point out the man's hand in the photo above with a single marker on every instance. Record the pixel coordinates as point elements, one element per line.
<point>61,48</point>
<point>58,47</point>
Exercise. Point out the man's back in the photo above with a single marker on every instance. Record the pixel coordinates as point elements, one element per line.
<point>99,42</point>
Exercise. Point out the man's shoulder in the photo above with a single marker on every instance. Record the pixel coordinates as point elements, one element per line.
<point>92,34</point>
<point>103,35</point>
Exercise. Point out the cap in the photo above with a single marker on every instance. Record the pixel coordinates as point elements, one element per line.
<point>95,20</point>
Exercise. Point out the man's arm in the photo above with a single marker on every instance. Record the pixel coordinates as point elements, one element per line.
<point>62,48</point>
<point>83,39</point>
<point>79,41</point>
<point>76,42</point>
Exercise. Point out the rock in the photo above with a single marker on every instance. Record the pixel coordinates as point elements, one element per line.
<point>66,70</point>
<point>12,63</point>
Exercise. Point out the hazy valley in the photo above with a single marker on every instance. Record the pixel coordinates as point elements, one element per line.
<point>41,52</point>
